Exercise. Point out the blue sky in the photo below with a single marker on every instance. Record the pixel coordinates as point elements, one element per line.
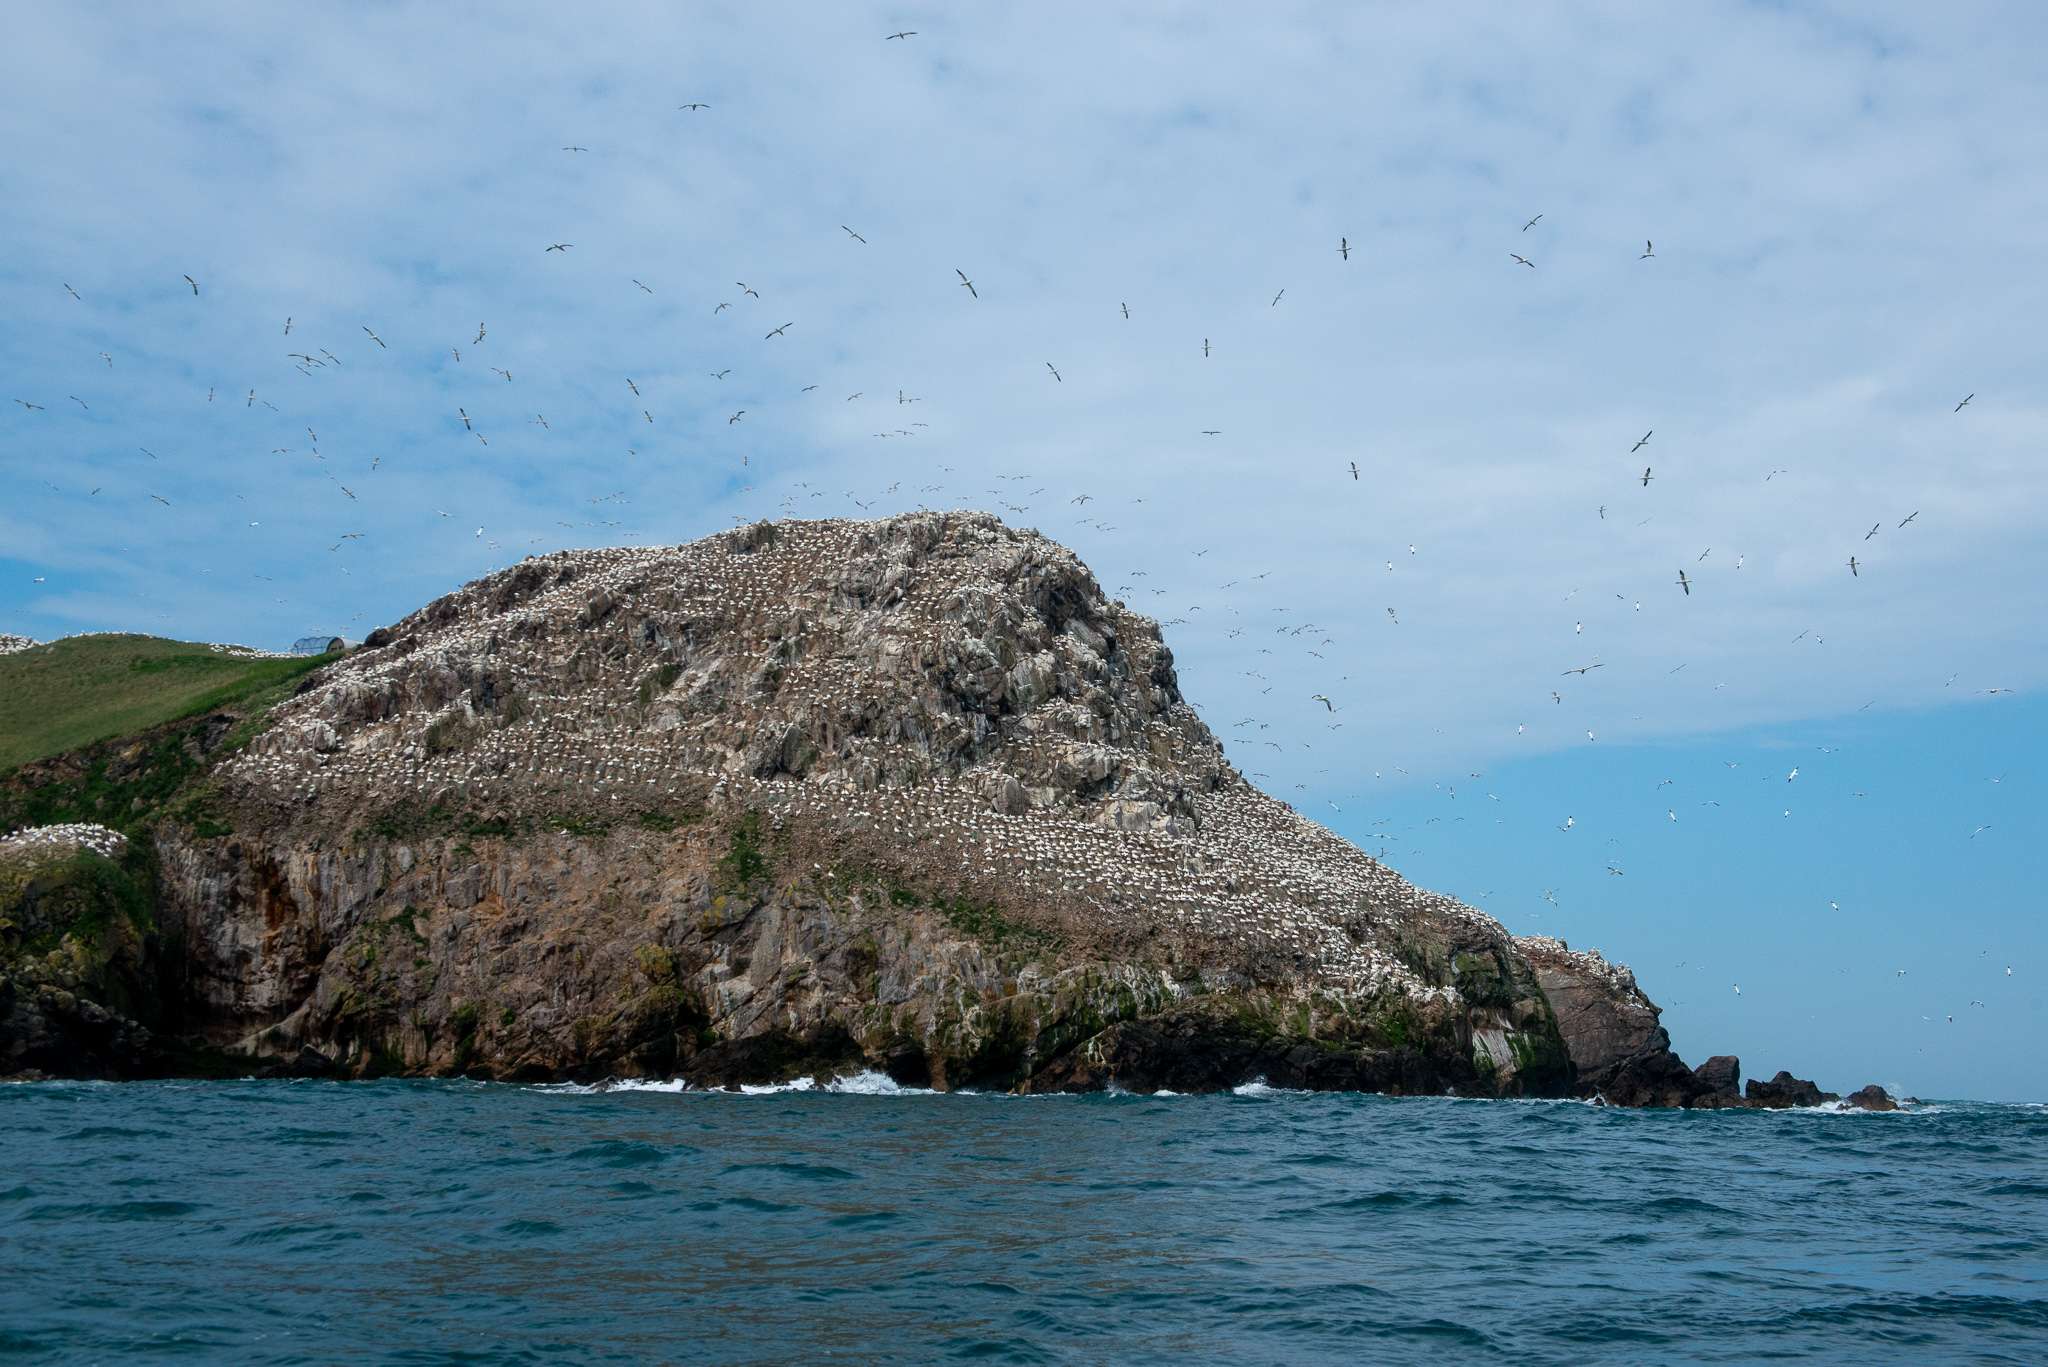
<point>1843,209</point>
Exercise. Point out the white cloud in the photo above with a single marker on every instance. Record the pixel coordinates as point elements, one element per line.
<point>1843,205</point>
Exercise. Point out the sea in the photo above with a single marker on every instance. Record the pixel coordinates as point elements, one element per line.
<point>429,1222</point>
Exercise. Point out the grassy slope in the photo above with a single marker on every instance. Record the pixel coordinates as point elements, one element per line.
<point>75,692</point>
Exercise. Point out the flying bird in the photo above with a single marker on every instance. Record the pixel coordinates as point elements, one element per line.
<point>1531,223</point>
<point>779,331</point>
<point>743,288</point>
<point>854,235</point>
<point>559,247</point>
<point>693,106</point>
<point>1582,671</point>
<point>1685,583</point>
<point>1639,445</point>
<point>74,294</point>
<point>968,283</point>
<point>167,503</point>
<point>643,287</point>
<point>1205,346</point>
<point>1344,247</point>
<point>195,290</point>
<point>1916,514</point>
<point>1276,299</point>
<point>1354,470</point>
<point>375,338</point>
<point>1853,571</point>
<point>1647,253</point>
<point>1647,477</point>
<point>1055,373</point>
<point>1524,260</point>
<point>1317,697</point>
<point>634,387</point>
<point>479,335</point>
<point>575,149</point>
<point>1873,530</point>
<point>907,33</point>
<point>1959,407</point>
<point>26,404</point>
<point>735,417</point>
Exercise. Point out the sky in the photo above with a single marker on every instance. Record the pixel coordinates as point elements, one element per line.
<point>1402,354</point>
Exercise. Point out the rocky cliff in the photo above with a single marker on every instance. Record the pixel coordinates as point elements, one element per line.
<point>911,795</point>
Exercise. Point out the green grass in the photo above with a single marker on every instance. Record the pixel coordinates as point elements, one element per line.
<point>76,692</point>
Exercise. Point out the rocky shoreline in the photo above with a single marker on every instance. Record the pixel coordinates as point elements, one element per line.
<point>803,799</point>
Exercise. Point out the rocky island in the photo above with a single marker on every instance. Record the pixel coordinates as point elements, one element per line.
<point>800,799</point>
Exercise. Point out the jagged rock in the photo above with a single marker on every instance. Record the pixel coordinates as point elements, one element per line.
<point>1871,1098</point>
<point>805,797</point>
<point>1721,1075</point>
<point>1618,1050</point>
<point>1784,1091</point>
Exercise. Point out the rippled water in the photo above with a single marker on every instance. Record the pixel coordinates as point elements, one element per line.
<point>448,1222</point>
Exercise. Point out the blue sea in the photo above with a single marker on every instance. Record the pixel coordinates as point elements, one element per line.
<point>454,1222</point>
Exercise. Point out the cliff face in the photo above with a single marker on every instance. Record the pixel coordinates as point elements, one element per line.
<point>909,794</point>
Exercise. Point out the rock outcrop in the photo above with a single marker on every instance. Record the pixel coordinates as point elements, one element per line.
<point>1784,1092</point>
<point>911,795</point>
<point>1620,1053</point>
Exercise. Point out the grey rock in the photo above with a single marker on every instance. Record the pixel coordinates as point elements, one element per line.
<point>1721,1075</point>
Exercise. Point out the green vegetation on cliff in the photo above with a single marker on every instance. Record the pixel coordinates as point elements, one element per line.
<point>85,689</point>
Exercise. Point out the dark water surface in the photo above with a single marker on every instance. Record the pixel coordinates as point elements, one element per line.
<point>449,1222</point>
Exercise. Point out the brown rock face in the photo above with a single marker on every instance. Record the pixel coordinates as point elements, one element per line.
<point>1871,1098</point>
<point>1618,1050</point>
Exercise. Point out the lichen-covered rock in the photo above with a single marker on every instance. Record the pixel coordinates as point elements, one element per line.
<point>77,978</point>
